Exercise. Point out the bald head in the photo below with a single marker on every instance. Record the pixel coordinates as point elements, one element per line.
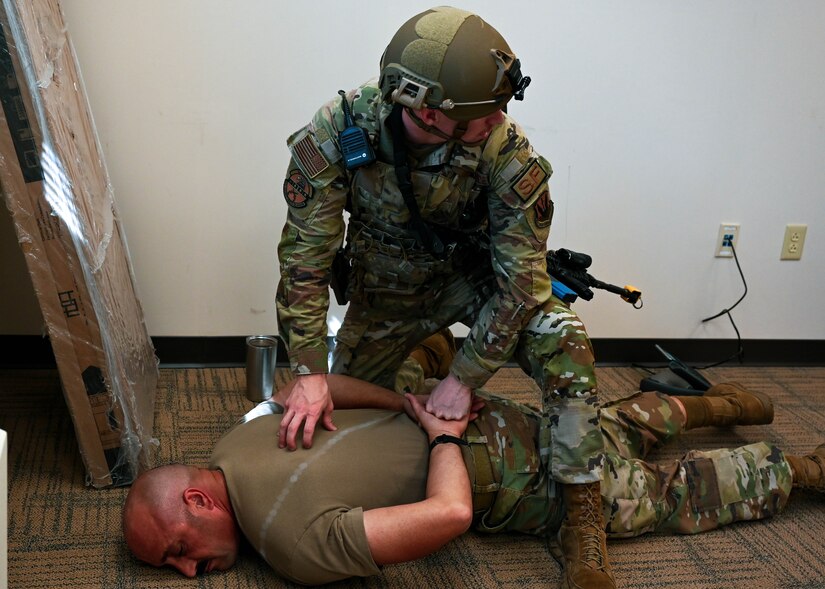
<point>181,516</point>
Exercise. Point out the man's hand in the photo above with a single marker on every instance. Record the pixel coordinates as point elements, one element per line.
<point>450,399</point>
<point>308,401</point>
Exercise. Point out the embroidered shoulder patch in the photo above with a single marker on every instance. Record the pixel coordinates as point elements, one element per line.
<point>297,189</point>
<point>540,215</point>
<point>309,156</point>
<point>526,183</point>
<point>544,210</point>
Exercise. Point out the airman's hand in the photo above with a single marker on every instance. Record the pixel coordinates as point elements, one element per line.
<point>308,402</point>
<point>435,426</point>
<point>476,405</point>
<point>450,399</point>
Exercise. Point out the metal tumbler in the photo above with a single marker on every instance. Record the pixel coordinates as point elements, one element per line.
<point>261,356</point>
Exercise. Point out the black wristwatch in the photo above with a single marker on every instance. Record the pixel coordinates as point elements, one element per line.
<point>447,439</point>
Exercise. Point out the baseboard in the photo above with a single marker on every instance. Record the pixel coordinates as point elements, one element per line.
<point>703,352</point>
<point>24,351</point>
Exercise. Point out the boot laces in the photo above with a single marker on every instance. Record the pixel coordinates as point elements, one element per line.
<point>592,553</point>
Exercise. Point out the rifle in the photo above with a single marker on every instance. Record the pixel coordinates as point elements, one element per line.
<point>571,279</point>
<point>566,267</point>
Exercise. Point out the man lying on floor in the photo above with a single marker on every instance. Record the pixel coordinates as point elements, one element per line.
<point>382,490</point>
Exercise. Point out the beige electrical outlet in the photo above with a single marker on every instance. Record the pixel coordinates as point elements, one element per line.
<point>793,242</point>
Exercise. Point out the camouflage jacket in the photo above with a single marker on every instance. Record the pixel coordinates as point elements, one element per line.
<point>449,181</point>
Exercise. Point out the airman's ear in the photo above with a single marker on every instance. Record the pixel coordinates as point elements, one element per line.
<point>197,499</point>
<point>428,115</point>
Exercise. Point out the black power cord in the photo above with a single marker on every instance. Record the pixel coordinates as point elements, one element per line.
<point>740,353</point>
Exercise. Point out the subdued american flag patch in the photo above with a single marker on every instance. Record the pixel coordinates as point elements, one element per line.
<point>309,156</point>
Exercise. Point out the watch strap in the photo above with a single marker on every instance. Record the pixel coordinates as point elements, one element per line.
<point>447,439</point>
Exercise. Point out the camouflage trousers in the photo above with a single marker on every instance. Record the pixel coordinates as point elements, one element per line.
<point>702,491</point>
<point>410,378</point>
<point>382,327</point>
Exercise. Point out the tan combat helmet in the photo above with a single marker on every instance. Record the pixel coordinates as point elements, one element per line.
<point>451,60</point>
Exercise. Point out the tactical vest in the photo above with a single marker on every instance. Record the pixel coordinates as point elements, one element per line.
<point>448,182</point>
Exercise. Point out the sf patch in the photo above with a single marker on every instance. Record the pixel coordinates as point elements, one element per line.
<point>297,189</point>
<point>526,183</point>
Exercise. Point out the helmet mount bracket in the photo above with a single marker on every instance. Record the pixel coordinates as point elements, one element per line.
<point>410,94</point>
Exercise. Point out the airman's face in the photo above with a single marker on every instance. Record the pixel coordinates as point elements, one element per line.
<point>200,543</point>
<point>477,130</point>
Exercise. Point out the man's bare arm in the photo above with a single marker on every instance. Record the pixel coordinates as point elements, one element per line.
<point>406,532</point>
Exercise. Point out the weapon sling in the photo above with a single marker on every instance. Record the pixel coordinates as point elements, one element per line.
<point>425,235</point>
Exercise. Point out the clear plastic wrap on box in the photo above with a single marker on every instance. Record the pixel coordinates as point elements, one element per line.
<point>55,184</point>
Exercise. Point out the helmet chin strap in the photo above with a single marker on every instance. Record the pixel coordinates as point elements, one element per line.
<point>457,134</point>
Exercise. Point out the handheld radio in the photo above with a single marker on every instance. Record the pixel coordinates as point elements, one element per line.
<point>354,141</point>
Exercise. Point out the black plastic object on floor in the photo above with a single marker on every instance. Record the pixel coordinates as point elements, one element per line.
<point>677,379</point>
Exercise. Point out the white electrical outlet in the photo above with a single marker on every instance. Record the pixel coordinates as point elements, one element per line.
<point>728,235</point>
<point>793,242</point>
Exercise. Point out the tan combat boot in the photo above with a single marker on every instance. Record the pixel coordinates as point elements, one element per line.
<point>809,470</point>
<point>582,540</point>
<point>727,404</point>
<point>435,354</point>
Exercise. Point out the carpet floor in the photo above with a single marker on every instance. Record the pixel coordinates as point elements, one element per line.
<point>63,533</point>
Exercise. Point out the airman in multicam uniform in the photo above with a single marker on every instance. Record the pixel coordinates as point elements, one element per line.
<point>702,491</point>
<point>448,223</point>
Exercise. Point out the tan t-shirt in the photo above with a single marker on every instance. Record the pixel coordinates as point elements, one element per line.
<point>303,510</point>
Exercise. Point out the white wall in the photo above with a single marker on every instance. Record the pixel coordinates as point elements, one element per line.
<point>661,119</point>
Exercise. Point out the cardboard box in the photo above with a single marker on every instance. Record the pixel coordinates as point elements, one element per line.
<point>55,184</point>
